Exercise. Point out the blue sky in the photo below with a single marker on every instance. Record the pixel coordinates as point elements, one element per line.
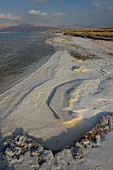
<point>56,12</point>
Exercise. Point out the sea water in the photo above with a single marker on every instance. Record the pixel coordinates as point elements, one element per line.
<point>21,53</point>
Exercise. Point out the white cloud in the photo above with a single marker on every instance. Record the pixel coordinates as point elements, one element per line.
<point>106,2</point>
<point>9,16</point>
<point>96,4</point>
<point>45,15</point>
<point>110,8</point>
<point>58,14</point>
<point>37,12</point>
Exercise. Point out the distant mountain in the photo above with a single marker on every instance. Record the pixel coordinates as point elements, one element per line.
<point>24,27</point>
<point>103,25</point>
<point>85,26</point>
<point>73,27</point>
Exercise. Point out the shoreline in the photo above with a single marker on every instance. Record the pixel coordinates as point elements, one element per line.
<point>77,91</point>
<point>24,75</point>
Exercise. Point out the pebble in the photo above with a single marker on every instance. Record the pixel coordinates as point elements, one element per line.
<point>98,139</point>
<point>85,142</point>
<point>110,122</point>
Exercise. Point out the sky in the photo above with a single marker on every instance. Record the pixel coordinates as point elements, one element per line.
<point>56,12</point>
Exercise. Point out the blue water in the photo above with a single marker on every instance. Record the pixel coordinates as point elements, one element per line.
<point>20,52</point>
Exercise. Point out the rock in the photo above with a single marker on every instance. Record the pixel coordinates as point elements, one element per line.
<point>25,146</point>
<point>9,153</point>
<point>90,136</point>
<point>80,160</point>
<point>16,161</point>
<point>18,151</point>
<point>105,119</point>
<point>94,144</point>
<point>35,153</point>
<point>17,138</point>
<point>46,156</point>
<point>97,128</point>
<point>31,160</point>
<point>79,145</point>
<point>106,129</point>
<point>65,159</point>
<point>85,142</point>
<point>21,140</point>
<point>98,139</point>
<point>54,165</point>
<point>31,146</point>
<point>39,148</point>
<point>101,133</point>
<point>73,151</point>
<point>35,167</point>
<point>79,155</point>
<point>110,122</point>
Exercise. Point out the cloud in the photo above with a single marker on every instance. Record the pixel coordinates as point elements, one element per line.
<point>59,14</point>
<point>9,16</point>
<point>96,3</point>
<point>106,2</point>
<point>110,8</point>
<point>45,15</point>
<point>100,3</point>
<point>37,12</point>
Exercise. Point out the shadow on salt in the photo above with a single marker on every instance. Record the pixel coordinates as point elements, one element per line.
<point>76,128</point>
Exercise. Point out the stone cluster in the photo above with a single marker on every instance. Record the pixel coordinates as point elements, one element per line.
<point>23,146</point>
<point>93,138</point>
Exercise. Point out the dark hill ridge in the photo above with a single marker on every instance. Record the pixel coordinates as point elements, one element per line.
<point>26,28</point>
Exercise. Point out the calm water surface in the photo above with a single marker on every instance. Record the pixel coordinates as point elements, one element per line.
<point>21,52</point>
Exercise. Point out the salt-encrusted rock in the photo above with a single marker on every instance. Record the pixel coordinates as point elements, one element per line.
<point>54,165</point>
<point>39,148</point>
<point>106,129</point>
<point>35,167</point>
<point>18,151</point>
<point>89,146</point>
<point>35,153</point>
<point>94,145</point>
<point>46,156</point>
<point>98,126</point>
<point>98,139</point>
<point>80,160</point>
<point>90,136</point>
<point>9,153</point>
<point>85,142</point>
<point>74,150</point>
<point>79,145</point>
<point>105,119</point>
<point>31,146</point>
<point>79,155</point>
<point>102,122</point>
<point>20,140</point>
<point>7,142</point>
<point>65,159</point>
<point>101,133</point>
<point>110,122</point>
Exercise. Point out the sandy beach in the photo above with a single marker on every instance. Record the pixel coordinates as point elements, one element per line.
<point>64,98</point>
